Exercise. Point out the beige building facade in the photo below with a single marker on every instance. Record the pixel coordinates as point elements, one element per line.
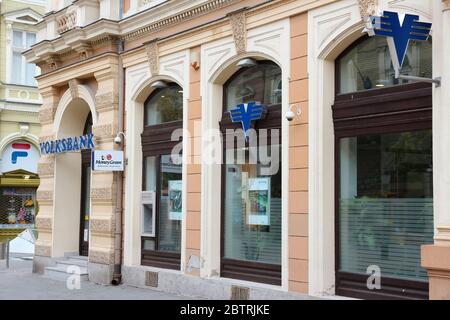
<point>146,77</point>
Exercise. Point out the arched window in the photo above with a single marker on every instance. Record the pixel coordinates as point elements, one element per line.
<point>162,179</point>
<point>384,171</point>
<point>165,105</point>
<point>251,193</point>
<point>367,65</point>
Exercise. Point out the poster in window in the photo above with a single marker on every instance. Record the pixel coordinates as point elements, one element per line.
<point>175,199</point>
<point>258,210</point>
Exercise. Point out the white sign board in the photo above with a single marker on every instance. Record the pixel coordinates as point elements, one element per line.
<point>19,155</point>
<point>107,160</point>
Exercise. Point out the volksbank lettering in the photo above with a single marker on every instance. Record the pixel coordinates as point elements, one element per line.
<point>68,144</point>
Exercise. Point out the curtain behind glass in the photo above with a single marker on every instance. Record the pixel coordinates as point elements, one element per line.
<point>386,203</point>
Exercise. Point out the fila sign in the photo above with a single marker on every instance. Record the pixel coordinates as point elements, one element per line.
<point>19,155</point>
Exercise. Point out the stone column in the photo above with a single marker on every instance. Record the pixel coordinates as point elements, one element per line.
<point>103,184</point>
<point>45,194</point>
<point>436,258</point>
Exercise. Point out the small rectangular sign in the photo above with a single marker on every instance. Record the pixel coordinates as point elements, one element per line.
<point>107,160</point>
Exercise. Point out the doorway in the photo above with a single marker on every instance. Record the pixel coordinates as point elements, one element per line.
<point>85,205</point>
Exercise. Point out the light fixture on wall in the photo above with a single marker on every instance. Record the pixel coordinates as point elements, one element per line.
<point>159,84</point>
<point>247,63</point>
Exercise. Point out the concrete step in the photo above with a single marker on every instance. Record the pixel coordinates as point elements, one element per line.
<point>73,262</point>
<point>78,258</point>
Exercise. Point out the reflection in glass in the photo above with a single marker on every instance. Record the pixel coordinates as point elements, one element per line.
<point>386,203</point>
<point>369,66</point>
<point>261,83</point>
<point>252,214</point>
<point>165,105</point>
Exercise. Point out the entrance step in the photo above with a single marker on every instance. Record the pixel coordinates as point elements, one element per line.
<point>67,267</point>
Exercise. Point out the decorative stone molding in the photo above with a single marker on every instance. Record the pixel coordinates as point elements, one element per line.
<point>43,251</point>
<point>47,114</point>
<point>102,226</point>
<point>104,131</point>
<point>367,8</point>
<point>68,20</point>
<point>53,62</point>
<point>153,57</point>
<point>84,51</point>
<point>239,28</point>
<point>445,4</point>
<point>73,86</point>
<point>103,257</point>
<point>44,223</point>
<point>106,101</point>
<point>46,169</point>
<point>101,194</point>
<point>44,195</point>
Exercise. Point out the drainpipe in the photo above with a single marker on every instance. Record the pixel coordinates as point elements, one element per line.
<point>117,276</point>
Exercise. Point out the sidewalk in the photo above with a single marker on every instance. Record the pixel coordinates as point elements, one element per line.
<point>19,283</point>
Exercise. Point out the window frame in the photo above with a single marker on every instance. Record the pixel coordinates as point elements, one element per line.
<point>156,142</point>
<point>394,109</point>
<point>232,268</point>
<point>24,63</point>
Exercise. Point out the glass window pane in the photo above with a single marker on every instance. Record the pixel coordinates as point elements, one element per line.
<point>165,105</point>
<point>170,205</point>
<point>16,70</point>
<point>252,214</point>
<point>30,73</point>
<point>261,83</point>
<point>31,39</point>
<point>150,174</point>
<point>17,39</point>
<point>369,65</point>
<point>386,203</point>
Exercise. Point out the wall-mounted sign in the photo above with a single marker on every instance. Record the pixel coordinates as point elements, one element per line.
<point>71,144</point>
<point>107,160</point>
<point>399,34</point>
<point>19,155</point>
<point>245,113</point>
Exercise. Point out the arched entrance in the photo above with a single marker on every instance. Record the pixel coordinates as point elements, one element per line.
<point>72,183</point>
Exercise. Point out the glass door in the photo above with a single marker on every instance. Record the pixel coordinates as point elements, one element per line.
<point>85,208</point>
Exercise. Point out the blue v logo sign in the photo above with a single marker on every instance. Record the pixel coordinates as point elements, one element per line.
<point>245,113</point>
<point>398,34</point>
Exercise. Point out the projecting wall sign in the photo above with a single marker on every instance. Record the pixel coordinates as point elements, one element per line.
<point>245,113</point>
<point>398,35</point>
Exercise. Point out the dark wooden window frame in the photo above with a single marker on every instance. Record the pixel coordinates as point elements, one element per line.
<point>156,142</point>
<point>393,109</point>
<point>236,269</point>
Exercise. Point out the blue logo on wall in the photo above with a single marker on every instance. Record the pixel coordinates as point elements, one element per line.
<point>245,113</point>
<point>398,34</point>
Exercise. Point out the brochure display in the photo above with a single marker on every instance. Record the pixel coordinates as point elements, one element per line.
<point>175,200</point>
<point>258,208</point>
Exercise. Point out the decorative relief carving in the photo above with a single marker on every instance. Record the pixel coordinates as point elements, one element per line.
<point>84,51</point>
<point>53,62</point>
<point>46,168</point>
<point>153,57</point>
<point>106,101</point>
<point>43,251</point>
<point>102,226</point>
<point>47,114</point>
<point>73,86</point>
<point>102,194</point>
<point>239,29</point>
<point>68,20</point>
<point>367,8</point>
<point>103,257</point>
<point>104,131</point>
<point>44,223</point>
